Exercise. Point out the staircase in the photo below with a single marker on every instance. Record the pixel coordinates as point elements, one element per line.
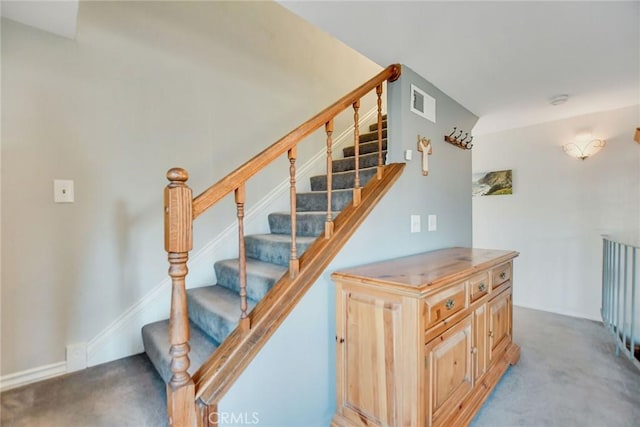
<point>215,331</point>
<point>214,311</point>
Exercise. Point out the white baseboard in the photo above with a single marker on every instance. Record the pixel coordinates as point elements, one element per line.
<point>18,379</point>
<point>561,312</point>
<point>122,337</point>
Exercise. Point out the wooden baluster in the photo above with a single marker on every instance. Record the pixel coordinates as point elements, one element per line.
<point>379,93</point>
<point>178,231</point>
<point>240,199</point>
<point>328,225</point>
<point>356,139</point>
<point>294,262</point>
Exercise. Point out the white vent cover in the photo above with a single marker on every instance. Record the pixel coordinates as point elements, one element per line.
<point>423,104</point>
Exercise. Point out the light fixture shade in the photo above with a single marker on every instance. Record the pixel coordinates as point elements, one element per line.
<point>583,146</point>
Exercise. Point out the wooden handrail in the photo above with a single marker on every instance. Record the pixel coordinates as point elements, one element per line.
<point>186,394</point>
<point>217,191</point>
<point>218,374</point>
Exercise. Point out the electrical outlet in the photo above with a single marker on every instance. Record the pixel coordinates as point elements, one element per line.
<point>76,357</point>
<point>432,223</point>
<point>63,191</point>
<point>415,223</point>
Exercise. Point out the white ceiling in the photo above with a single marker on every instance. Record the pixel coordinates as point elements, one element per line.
<point>501,60</point>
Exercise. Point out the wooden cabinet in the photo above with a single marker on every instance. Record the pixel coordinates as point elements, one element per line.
<point>422,340</point>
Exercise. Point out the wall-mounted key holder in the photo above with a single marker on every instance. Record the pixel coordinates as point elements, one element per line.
<point>460,139</point>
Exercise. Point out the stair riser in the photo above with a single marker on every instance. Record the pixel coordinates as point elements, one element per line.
<point>213,324</point>
<point>275,253</point>
<point>342,181</point>
<point>306,225</point>
<point>156,345</point>
<point>366,161</point>
<point>365,148</point>
<point>371,136</point>
<point>313,202</point>
<point>375,126</point>
<point>229,277</point>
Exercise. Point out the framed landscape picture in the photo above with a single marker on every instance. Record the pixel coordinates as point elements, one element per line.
<point>496,183</point>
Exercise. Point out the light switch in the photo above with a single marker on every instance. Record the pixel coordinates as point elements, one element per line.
<point>415,223</point>
<point>63,191</point>
<point>432,223</point>
<point>408,154</point>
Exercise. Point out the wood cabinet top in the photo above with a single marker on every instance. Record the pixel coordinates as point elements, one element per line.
<point>427,270</point>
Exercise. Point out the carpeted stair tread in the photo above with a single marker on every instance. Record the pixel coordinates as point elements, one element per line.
<point>343,180</point>
<point>365,148</point>
<point>275,248</point>
<point>371,136</point>
<point>261,276</point>
<point>307,223</point>
<point>155,337</point>
<point>215,309</point>
<point>375,126</point>
<point>366,161</point>
<point>317,200</point>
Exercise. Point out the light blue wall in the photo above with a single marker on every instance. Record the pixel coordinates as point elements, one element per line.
<point>292,381</point>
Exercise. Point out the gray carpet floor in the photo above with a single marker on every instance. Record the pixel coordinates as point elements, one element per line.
<point>568,375</point>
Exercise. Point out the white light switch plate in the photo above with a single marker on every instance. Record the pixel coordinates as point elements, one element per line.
<point>432,224</point>
<point>415,223</point>
<point>408,154</point>
<point>63,191</point>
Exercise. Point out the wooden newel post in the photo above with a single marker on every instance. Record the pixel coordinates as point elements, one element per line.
<point>178,230</point>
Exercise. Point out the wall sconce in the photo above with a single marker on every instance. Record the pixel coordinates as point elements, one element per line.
<point>583,146</point>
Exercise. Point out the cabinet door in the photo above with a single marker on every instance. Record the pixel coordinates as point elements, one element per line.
<point>370,334</point>
<point>449,372</point>
<point>499,315</point>
<point>479,341</point>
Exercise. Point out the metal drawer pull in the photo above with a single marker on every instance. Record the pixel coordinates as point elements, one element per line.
<point>503,275</point>
<point>450,304</point>
<point>482,287</point>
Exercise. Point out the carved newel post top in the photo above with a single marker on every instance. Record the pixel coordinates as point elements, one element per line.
<point>177,175</point>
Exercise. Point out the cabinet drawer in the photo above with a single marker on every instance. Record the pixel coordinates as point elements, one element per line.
<point>444,304</point>
<point>478,285</point>
<point>500,275</point>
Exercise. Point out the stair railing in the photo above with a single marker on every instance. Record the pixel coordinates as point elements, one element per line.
<point>181,210</point>
<point>621,295</point>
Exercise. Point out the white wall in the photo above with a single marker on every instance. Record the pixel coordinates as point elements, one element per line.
<point>560,206</point>
<point>145,86</point>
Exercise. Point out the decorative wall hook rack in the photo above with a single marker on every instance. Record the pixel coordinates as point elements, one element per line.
<point>460,139</point>
<point>424,146</point>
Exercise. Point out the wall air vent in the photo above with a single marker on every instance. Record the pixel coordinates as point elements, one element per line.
<point>423,104</point>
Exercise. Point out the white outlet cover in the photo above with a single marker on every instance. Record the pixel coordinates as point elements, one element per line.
<point>76,357</point>
<point>63,191</point>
